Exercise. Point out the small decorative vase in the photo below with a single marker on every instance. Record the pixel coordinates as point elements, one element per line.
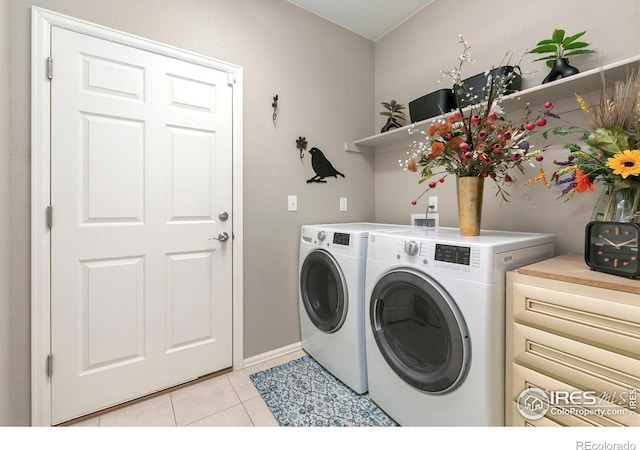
<point>470,190</point>
<point>390,125</point>
<point>560,69</point>
<point>618,202</point>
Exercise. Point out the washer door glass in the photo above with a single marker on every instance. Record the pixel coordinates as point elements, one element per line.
<point>323,290</point>
<point>420,331</point>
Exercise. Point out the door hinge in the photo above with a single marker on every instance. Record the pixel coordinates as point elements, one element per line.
<point>49,217</point>
<point>231,78</point>
<point>49,365</point>
<point>49,67</point>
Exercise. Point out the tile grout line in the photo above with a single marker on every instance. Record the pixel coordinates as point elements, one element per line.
<point>248,415</point>
<point>173,410</point>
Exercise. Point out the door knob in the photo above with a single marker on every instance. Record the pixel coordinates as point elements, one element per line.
<point>221,237</point>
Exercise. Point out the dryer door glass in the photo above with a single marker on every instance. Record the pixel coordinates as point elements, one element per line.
<point>420,331</point>
<point>323,290</point>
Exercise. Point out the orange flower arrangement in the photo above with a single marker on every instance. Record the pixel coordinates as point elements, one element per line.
<point>478,141</point>
<point>607,152</point>
<point>583,183</point>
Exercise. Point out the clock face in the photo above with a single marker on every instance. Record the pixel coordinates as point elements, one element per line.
<point>613,247</point>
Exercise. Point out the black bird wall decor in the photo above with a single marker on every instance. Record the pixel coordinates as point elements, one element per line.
<point>322,167</point>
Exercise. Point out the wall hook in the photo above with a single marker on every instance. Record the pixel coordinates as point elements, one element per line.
<point>301,143</point>
<point>274,105</point>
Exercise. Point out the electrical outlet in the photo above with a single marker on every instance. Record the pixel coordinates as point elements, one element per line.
<point>433,204</point>
<point>293,203</point>
<point>343,204</point>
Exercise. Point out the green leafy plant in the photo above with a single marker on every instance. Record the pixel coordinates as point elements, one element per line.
<point>393,110</point>
<point>560,46</point>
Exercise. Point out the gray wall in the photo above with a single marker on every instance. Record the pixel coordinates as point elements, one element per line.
<point>5,206</point>
<point>408,63</point>
<point>323,75</point>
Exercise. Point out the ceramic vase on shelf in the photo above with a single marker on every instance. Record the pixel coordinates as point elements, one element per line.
<point>390,125</point>
<point>560,69</point>
<point>469,191</point>
<point>618,202</point>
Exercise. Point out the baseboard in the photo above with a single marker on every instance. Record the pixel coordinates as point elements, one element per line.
<point>257,359</point>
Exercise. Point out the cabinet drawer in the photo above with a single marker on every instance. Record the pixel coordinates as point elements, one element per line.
<point>585,367</point>
<point>606,319</point>
<point>524,378</point>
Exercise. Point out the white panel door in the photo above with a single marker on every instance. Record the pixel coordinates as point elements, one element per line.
<point>141,153</point>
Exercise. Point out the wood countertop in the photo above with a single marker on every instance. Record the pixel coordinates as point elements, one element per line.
<point>572,268</point>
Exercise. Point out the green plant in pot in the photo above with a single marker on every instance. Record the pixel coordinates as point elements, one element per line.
<point>558,49</point>
<point>394,113</point>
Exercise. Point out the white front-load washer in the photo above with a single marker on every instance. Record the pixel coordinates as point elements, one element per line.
<point>331,297</point>
<point>434,312</point>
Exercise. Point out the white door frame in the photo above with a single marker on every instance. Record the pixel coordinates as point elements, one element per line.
<point>41,22</point>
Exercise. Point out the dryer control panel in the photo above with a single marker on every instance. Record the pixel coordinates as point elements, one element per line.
<point>453,254</point>
<point>446,253</point>
<point>469,262</point>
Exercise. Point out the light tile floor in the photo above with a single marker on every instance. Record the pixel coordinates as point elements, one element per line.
<point>225,401</point>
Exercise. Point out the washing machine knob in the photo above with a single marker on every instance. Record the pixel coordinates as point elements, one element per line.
<point>322,235</point>
<point>411,248</point>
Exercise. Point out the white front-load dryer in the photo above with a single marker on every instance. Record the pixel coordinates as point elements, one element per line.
<point>331,297</point>
<point>434,312</point>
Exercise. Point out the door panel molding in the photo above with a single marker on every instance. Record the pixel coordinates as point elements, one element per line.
<point>42,23</point>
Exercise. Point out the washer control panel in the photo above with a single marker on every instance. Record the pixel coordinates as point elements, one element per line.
<point>338,242</point>
<point>341,238</point>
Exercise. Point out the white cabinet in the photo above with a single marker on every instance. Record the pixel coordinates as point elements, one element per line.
<point>581,83</point>
<point>572,330</point>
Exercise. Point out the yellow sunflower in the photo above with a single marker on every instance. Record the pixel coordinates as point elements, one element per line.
<point>625,163</point>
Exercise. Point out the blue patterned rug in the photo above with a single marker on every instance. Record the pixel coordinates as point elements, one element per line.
<point>301,393</point>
